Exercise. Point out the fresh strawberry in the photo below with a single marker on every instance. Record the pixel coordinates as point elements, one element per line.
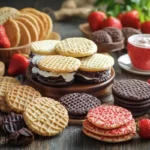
<point>145,27</point>
<point>111,22</point>
<point>143,128</point>
<point>4,41</point>
<point>130,19</point>
<point>18,64</point>
<point>95,20</point>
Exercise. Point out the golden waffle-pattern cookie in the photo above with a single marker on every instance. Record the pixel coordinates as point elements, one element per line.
<point>76,47</point>
<point>19,97</point>
<point>7,83</point>
<point>7,13</point>
<point>45,116</point>
<point>59,64</point>
<point>3,105</point>
<point>96,62</point>
<point>45,47</point>
<point>13,32</point>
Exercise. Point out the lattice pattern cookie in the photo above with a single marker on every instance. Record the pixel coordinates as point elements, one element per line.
<point>45,116</point>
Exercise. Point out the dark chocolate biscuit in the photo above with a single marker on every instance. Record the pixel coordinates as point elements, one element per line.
<point>132,89</point>
<point>115,33</point>
<point>78,104</point>
<point>21,137</point>
<point>101,37</point>
<point>12,122</point>
<point>93,77</point>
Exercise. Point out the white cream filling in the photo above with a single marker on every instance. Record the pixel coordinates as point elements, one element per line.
<point>36,58</point>
<point>142,41</point>
<point>67,76</point>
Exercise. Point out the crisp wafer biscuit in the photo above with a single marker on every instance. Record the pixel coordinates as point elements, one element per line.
<point>25,35</point>
<point>122,138</point>
<point>3,105</point>
<point>96,62</point>
<point>49,25</point>
<point>19,97</point>
<point>45,47</point>
<point>109,116</point>
<point>76,47</point>
<point>31,28</point>
<point>33,20</point>
<point>40,23</point>
<point>7,13</point>
<point>39,14</point>
<point>123,130</point>
<point>59,64</point>
<point>13,32</point>
<point>45,116</point>
<point>54,36</point>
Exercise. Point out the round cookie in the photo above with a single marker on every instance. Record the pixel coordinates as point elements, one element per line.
<point>122,138</point>
<point>59,64</point>
<point>45,47</point>
<point>78,104</point>
<point>25,35</point>
<point>132,89</point>
<point>45,116</point>
<point>31,28</point>
<point>96,62</point>
<point>13,32</point>
<point>54,36</point>
<point>123,130</point>
<point>19,97</point>
<point>76,47</point>
<point>109,116</point>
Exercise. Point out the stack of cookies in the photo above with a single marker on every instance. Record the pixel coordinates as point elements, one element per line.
<point>109,124</point>
<point>78,105</point>
<point>133,95</point>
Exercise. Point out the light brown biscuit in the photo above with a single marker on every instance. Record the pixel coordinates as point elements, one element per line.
<point>54,36</point>
<point>25,35</point>
<point>13,32</point>
<point>38,14</point>
<point>31,28</point>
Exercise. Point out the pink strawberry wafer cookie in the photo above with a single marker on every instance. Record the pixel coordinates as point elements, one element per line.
<point>123,130</point>
<point>109,116</point>
<point>108,138</point>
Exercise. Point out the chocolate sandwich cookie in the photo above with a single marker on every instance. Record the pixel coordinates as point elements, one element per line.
<point>115,33</point>
<point>78,104</point>
<point>95,68</point>
<point>12,122</point>
<point>54,70</point>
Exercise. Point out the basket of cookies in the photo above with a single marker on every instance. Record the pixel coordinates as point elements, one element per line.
<point>18,28</point>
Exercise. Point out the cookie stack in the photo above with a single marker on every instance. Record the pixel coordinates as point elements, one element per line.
<point>78,105</point>
<point>109,124</point>
<point>133,95</point>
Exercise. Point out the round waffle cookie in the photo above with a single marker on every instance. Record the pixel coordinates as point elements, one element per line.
<point>19,97</point>
<point>45,47</point>
<point>96,62</point>
<point>117,139</point>
<point>132,89</point>
<point>123,130</point>
<point>76,47</point>
<point>45,116</point>
<point>59,64</point>
<point>109,116</point>
<point>78,104</point>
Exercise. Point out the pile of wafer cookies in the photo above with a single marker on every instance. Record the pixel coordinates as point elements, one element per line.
<point>26,25</point>
<point>110,124</point>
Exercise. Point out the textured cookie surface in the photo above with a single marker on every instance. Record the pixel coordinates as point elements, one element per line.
<point>60,64</point>
<point>76,47</point>
<point>46,117</point>
<point>78,104</point>
<point>45,47</point>
<point>122,138</point>
<point>13,32</point>
<point>19,97</point>
<point>132,89</point>
<point>123,130</point>
<point>96,62</point>
<point>109,116</point>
